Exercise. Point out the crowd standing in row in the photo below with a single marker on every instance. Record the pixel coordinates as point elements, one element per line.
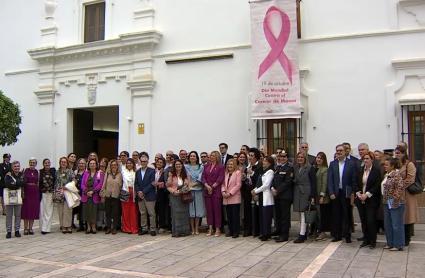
<point>176,192</point>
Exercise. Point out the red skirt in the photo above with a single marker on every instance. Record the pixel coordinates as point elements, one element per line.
<point>129,215</point>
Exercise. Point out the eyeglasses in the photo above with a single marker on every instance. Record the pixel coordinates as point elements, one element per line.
<point>143,161</point>
<point>203,156</point>
<point>339,151</point>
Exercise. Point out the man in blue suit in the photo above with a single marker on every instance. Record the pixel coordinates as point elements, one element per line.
<point>342,178</point>
<point>146,195</point>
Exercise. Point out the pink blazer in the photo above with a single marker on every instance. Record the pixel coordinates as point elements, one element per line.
<point>232,185</point>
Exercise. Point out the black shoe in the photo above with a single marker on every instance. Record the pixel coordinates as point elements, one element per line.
<point>335,240</point>
<point>80,229</point>
<point>348,240</point>
<point>31,232</point>
<point>153,233</point>
<point>255,235</point>
<point>142,232</point>
<point>108,231</point>
<point>228,234</point>
<point>300,239</point>
<point>372,246</point>
<point>281,239</point>
<point>246,234</point>
<point>235,236</point>
<point>361,238</point>
<point>9,235</point>
<point>17,234</point>
<point>364,244</point>
<point>44,233</point>
<point>264,238</point>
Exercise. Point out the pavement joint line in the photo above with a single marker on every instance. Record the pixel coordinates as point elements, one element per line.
<point>320,260</point>
<point>105,257</point>
<point>34,261</point>
<point>125,272</point>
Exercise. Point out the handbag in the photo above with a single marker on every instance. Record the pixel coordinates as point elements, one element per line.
<point>310,214</point>
<point>417,186</point>
<point>124,195</point>
<point>186,197</point>
<point>12,197</point>
<point>58,196</point>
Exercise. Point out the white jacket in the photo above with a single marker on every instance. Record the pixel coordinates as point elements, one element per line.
<point>266,178</point>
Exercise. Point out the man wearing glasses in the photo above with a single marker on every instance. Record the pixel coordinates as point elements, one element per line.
<point>342,178</point>
<point>204,158</point>
<point>304,148</point>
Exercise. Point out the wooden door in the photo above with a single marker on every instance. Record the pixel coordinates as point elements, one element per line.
<point>282,133</point>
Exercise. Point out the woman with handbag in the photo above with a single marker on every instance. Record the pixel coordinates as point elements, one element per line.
<point>212,178</point>
<point>128,197</point>
<point>46,185</point>
<point>197,207</point>
<point>13,183</point>
<point>178,184</point>
<point>31,201</point>
<point>91,184</point>
<point>231,192</point>
<point>111,193</point>
<point>304,191</point>
<point>64,175</point>
<point>393,197</point>
<point>408,174</point>
<point>267,199</point>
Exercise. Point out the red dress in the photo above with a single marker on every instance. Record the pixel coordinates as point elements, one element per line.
<point>129,215</point>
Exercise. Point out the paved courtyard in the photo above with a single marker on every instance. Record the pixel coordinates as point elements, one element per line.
<point>122,255</point>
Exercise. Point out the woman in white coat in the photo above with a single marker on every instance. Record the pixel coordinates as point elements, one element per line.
<point>266,198</point>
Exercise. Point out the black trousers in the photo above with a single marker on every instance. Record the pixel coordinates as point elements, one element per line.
<point>266,220</point>
<point>247,213</point>
<point>408,233</point>
<point>341,223</point>
<point>256,215</point>
<point>283,217</point>
<point>368,213</point>
<point>163,209</point>
<point>233,216</point>
<point>112,212</point>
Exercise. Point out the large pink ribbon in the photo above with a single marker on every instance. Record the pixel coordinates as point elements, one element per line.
<point>277,45</point>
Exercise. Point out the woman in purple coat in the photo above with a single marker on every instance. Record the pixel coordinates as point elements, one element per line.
<point>91,184</point>
<point>212,178</point>
<point>31,201</point>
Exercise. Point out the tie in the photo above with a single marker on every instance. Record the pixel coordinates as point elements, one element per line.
<point>222,160</point>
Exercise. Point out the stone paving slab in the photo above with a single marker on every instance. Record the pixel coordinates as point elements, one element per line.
<point>123,255</point>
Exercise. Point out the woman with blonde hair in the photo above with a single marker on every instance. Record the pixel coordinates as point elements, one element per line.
<point>212,178</point>
<point>111,192</point>
<point>231,192</point>
<point>64,175</point>
<point>31,202</point>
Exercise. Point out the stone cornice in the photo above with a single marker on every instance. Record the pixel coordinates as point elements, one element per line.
<point>141,86</point>
<point>46,95</point>
<point>124,44</point>
<point>409,3</point>
<point>403,64</point>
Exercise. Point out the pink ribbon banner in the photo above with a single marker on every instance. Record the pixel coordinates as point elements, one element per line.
<point>276,85</point>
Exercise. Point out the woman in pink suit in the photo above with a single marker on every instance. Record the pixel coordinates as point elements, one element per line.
<point>91,184</point>
<point>231,192</point>
<point>212,178</point>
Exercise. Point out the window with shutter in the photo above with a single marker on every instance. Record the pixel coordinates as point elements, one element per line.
<point>94,22</point>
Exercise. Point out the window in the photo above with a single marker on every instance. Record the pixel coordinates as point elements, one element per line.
<point>94,22</point>
<point>277,133</point>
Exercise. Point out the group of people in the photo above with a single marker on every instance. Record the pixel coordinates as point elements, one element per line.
<point>248,189</point>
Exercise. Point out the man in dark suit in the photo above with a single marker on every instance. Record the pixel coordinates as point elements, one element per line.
<point>223,147</point>
<point>254,171</point>
<point>342,180</point>
<point>282,189</point>
<point>5,167</point>
<point>357,162</point>
<point>146,195</point>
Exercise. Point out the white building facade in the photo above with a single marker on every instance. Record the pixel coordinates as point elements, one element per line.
<point>177,74</point>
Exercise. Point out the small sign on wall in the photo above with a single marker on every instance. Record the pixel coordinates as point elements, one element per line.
<point>141,128</point>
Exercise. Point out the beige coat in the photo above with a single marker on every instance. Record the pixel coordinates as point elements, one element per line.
<point>411,201</point>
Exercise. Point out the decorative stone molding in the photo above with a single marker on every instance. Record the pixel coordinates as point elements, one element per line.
<point>46,94</point>
<point>141,86</point>
<point>405,64</point>
<point>415,8</point>
<point>125,44</point>
<point>144,19</point>
<point>91,88</point>
<point>50,30</point>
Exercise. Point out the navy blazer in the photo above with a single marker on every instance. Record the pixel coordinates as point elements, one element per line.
<point>349,178</point>
<point>145,185</point>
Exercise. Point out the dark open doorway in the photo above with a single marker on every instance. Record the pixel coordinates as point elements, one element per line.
<point>96,129</point>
